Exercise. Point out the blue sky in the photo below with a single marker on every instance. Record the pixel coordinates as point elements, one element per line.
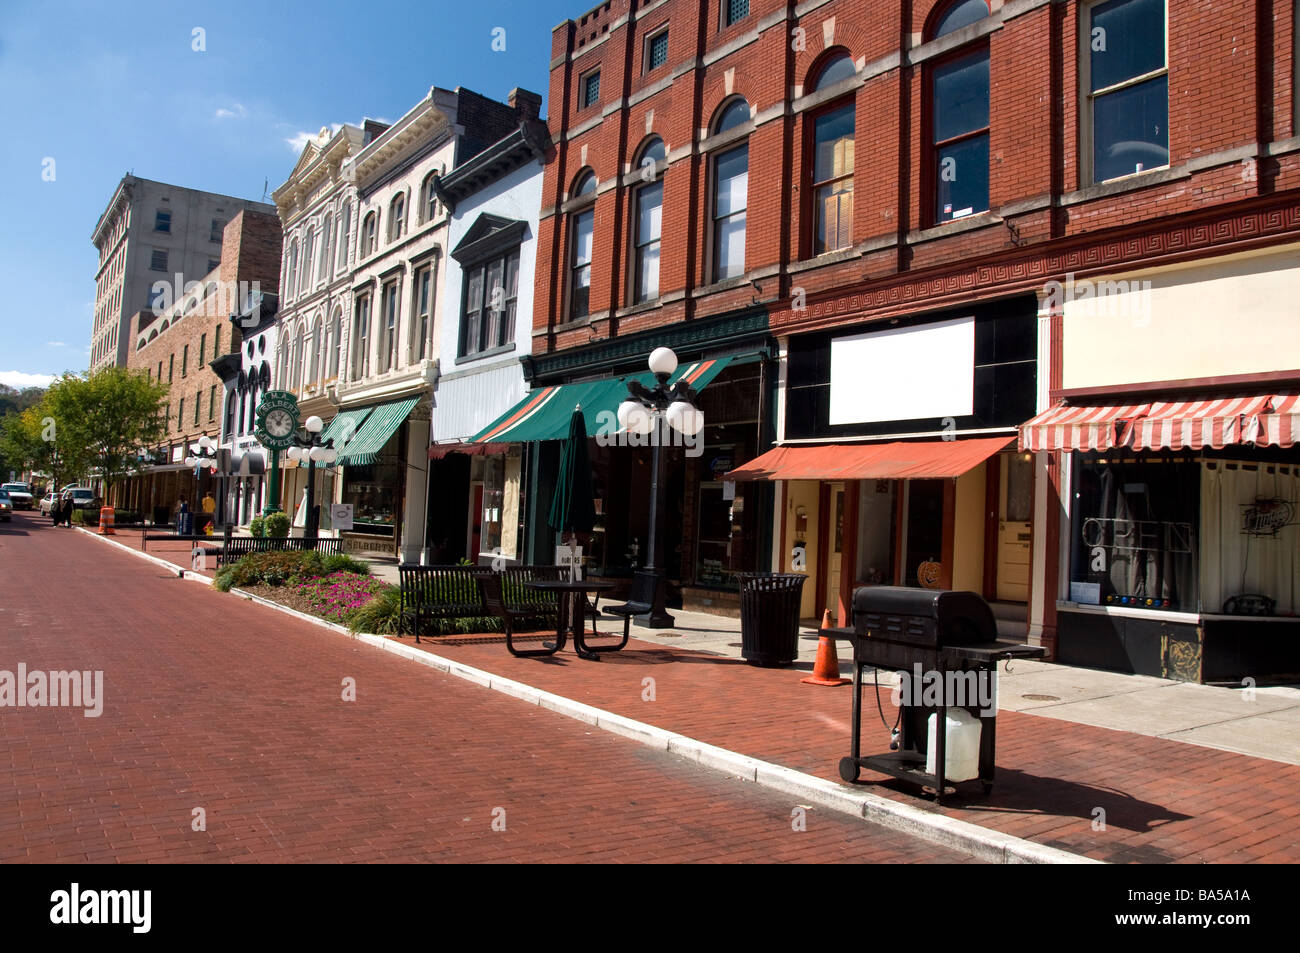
<point>104,88</point>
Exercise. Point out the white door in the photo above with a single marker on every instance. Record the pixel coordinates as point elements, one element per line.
<point>1014,521</point>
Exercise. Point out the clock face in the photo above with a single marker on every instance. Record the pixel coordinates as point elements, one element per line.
<point>279,423</point>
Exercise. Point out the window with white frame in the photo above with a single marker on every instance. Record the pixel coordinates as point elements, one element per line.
<point>730,197</point>
<point>369,226</point>
<point>326,235</point>
<point>647,224</point>
<point>396,216</point>
<point>1126,87</point>
<point>304,281</point>
<point>422,309</point>
<point>336,342</point>
<point>429,200</point>
<point>361,339</point>
<point>345,227</point>
<point>388,334</point>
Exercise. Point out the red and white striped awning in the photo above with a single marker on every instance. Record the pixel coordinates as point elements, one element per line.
<point>1280,425</point>
<point>1194,424</point>
<point>1091,427</point>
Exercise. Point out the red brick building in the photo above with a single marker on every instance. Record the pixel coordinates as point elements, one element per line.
<point>177,347</point>
<point>896,221</point>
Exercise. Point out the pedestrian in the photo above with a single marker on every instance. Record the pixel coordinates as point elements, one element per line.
<point>209,508</point>
<point>65,511</point>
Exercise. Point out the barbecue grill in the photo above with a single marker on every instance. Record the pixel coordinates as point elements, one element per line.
<point>898,628</point>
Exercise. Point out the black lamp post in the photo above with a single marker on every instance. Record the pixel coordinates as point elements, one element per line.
<point>203,455</point>
<point>312,450</point>
<point>645,411</point>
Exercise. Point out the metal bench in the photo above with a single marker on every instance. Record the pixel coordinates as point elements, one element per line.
<point>238,547</point>
<point>431,593</point>
<point>640,599</point>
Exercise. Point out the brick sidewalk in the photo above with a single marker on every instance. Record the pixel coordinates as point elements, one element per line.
<point>213,701</point>
<point>1163,800</point>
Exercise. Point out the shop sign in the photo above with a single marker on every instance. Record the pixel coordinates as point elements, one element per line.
<point>341,515</point>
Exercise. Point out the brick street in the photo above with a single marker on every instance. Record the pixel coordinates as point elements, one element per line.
<point>213,702</point>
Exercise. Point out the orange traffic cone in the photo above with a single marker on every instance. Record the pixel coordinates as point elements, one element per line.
<point>826,670</point>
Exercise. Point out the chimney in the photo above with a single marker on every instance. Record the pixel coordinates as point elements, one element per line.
<point>525,103</point>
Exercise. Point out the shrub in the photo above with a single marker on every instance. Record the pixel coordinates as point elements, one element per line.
<point>380,615</point>
<point>276,568</point>
<point>257,526</point>
<point>79,517</point>
<point>277,525</point>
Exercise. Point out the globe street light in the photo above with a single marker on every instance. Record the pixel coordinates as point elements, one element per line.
<point>641,413</point>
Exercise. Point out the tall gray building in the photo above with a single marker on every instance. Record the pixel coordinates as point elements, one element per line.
<point>152,232</point>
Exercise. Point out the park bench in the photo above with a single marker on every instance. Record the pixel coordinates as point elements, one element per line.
<point>431,593</point>
<point>237,547</point>
<point>640,599</point>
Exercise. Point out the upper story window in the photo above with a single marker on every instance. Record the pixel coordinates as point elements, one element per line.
<point>656,50</point>
<point>369,226</point>
<point>488,310</point>
<point>291,267</point>
<point>345,228</point>
<point>582,231</point>
<point>648,224</point>
<point>218,230</point>
<point>313,352</point>
<point>326,235</point>
<point>832,162</point>
<point>305,282</point>
<point>959,126</point>
<point>730,197</point>
<point>185,360</point>
<point>733,11</point>
<point>396,216</point>
<point>1127,83</point>
<point>336,342</point>
<point>361,339</point>
<point>158,260</point>
<point>423,311</point>
<point>429,198</point>
<point>162,221</point>
<point>388,336</point>
<point>589,89</point>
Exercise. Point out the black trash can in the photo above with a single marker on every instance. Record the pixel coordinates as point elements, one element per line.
<point>769,617</point>
<point>161,516</point>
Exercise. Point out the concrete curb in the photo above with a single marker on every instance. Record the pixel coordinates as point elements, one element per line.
<point>156,560</point>
<point>950,832</point>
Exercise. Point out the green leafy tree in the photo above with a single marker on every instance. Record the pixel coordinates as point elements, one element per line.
<point>102,420</point>
<point>27,442</point>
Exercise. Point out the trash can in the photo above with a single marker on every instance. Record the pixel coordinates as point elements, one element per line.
<point>161,516</point>
<point>769,617</point>
<point>185,524</point>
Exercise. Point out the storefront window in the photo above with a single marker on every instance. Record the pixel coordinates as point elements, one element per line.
<point>492,503</point>
<point>375,494</point>
<point>1134,532</point>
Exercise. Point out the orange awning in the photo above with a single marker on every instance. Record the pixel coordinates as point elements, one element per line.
<point>927,460</point>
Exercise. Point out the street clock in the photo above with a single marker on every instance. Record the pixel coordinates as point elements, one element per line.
<point>277,420</point>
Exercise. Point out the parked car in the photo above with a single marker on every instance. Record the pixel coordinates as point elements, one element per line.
<point>47,503</point>
<point>6,506</point>
<point>21,495</point>
<point>84,498</point>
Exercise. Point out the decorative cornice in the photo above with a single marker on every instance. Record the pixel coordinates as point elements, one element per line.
<point>750,325</point>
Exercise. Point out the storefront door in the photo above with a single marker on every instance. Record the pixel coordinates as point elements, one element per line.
<point>834,556</point>
<point>1014,536</point>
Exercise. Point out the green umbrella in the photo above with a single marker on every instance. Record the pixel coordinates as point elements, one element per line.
<point>573,509</point>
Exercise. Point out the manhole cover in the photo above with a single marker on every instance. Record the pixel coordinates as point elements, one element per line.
<point>1042,698</point>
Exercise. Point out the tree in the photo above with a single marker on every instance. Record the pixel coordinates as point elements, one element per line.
<point>26,442</point>
<point>102,420</point>
<point>12,403</point>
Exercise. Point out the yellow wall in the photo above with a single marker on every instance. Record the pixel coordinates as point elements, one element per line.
<point>803,493</point>
<point>1233,315</point>
<point>968,526</point>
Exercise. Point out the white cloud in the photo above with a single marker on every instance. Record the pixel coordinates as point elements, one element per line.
<point>237,111</point>
<point>299,140</point>
<point>20,380</point>
<point>55,344</point>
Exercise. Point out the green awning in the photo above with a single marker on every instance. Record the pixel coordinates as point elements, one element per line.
<point>544,413</point>
<point>700,374</point>
<point>379,427</point>
<point>343,428</point>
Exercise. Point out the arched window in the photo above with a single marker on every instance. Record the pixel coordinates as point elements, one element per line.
<point>313,371</point>
<point>336,342</point>
<point>369,229</point>
<point>326,236</point>
<point>831,156</point>
<point>345,229</point>
<point>429,197</point>
<point>229,415</point>
<point>959,124</point>
<point>730,171</point>
<point>396,216</point>
<point>647,223</point>
<point>582,231</point>
<point>305,282</point>
<point>291,268</point>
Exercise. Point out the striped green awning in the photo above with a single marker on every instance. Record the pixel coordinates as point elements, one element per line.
<point>343,428</point>
<point>544,414</point>
<point>379,427</point>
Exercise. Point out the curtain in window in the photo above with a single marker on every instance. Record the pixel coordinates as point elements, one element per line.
<point>1250,539</point>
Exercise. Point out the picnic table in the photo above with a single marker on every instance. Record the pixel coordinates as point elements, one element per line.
<point>573,604</point>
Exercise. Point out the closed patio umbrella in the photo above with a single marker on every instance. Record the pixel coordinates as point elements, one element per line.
<point>573,510</point>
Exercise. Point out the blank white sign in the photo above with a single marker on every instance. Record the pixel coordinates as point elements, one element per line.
<point>904,373</point>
